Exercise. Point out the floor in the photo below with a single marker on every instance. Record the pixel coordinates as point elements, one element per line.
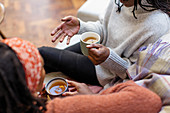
<point>33,20</point>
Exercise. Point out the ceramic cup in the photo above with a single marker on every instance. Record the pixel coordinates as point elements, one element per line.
<point>56,86</point>
<point>84,42</point>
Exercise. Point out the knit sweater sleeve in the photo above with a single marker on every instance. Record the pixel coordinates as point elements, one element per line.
<point>92,27</point>
<point>115,64</point>
<point>123,98</point>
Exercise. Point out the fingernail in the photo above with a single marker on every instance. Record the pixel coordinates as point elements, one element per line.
<point>53,40</point>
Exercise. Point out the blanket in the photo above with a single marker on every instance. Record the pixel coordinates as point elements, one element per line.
<point>152,70</point>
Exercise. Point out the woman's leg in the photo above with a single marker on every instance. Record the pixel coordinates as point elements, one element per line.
<point>75,48</point>
<point>71,62</point>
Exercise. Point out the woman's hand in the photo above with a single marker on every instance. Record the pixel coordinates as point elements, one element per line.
<point>69,27</point>
<point>77,88</point>
<point>98,53</point>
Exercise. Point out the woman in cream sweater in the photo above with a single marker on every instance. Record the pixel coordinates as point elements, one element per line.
<point>127,25</point>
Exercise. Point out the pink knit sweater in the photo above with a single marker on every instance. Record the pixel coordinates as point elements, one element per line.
<point>126,97</point>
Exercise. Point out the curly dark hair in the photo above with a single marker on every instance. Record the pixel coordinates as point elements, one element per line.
<point>15,96</point>
<point>163,5</point>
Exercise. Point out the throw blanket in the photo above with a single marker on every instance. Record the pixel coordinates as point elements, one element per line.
<point>152,70</point>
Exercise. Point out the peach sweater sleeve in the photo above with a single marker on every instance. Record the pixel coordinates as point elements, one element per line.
<point>126,97</point>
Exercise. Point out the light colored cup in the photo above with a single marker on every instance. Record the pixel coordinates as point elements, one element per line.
<point>84,44</point>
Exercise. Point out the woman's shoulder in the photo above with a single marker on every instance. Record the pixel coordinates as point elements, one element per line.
<point>158,18</point>
<point>157,22</point>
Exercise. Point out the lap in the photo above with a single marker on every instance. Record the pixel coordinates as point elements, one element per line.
<point>71,62</point>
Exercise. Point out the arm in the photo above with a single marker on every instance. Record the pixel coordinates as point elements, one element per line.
<point>115,64</point>
<point>108,59</point>
<point>91,26</point>
<point>126,97</point>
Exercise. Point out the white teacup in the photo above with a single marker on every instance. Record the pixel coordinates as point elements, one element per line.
<point>88,38</point>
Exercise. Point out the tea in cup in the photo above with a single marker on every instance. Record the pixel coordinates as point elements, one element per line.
<point>56,86</point>
<point>88,38</point>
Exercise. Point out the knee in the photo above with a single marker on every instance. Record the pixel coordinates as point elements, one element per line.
<point>42,49</point>
<point>48,52</point>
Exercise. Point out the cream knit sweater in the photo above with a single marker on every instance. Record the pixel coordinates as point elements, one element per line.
<point>124,35</point>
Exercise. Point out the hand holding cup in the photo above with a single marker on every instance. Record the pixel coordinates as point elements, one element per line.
<point>88,38</point>
<point>98,53</point>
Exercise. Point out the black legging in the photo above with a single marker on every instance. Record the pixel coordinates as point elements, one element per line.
<point>71,62</point>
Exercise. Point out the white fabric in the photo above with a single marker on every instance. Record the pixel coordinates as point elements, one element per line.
<point>91,10</point>
<point>75,39</point>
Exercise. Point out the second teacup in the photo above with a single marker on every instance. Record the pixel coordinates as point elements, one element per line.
<point>56,86</point>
